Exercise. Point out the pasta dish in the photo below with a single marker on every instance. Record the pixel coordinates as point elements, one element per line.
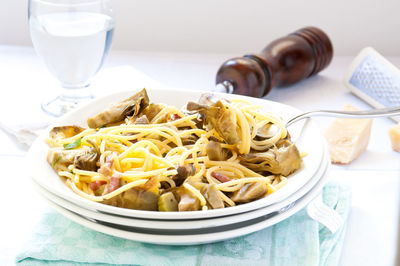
<point>210,154</point>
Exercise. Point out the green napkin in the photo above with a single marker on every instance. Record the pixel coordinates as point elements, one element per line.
<point>297,240</point>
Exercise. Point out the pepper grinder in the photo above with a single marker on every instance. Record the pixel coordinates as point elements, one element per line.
<point>283,62</point>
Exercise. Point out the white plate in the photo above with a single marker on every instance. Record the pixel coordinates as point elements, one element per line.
<point>208,236</point>
<point>308,139</point>
<point>190,224</point>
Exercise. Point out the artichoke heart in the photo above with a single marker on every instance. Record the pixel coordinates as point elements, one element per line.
<point>217,116</point>
<point>167,202</point>
<point>282,160</point>
<point>117,112</point>
<point>85,158</point>
<point>215,152</point>
<point>249,192</point>
<point>210,193</point>
<point>63,132</point>
<point>144,197</point>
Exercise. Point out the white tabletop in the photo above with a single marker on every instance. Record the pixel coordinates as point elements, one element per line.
<point>372,232</point>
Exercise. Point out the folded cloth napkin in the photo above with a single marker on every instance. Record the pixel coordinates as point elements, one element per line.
<point>22,117</point>
<point>297,240</point>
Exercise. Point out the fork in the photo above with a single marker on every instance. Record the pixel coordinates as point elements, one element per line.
<point>382,112</point>
<point>325,215</point>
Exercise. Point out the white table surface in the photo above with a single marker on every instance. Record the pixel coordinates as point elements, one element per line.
<point>372,233</point>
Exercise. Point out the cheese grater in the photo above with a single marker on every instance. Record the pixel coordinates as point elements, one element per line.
<point>375,80</point>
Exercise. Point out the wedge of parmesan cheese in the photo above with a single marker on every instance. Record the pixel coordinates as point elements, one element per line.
<point>347,138</point>
<point>394,134</point>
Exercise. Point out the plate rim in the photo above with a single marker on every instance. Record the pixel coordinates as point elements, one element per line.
<point>195,224</point>
<point>199,238</point>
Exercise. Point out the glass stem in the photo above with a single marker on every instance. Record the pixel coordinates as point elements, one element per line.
<point>76,94</point>
<point>67,100</point>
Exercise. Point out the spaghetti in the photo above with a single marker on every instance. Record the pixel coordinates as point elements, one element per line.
<point>212,154</point>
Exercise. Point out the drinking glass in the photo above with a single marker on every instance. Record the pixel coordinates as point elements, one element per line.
<point>73,37</point>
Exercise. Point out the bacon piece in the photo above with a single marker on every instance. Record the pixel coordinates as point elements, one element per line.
<point>96,184</point>
<point>105,169</point>
<point>220,177</point>
<point>175,117</point>
<point>114,183</point>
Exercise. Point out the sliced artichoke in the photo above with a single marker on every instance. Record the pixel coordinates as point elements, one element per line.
<point>152,110</point>
<point>139,198</point>
<point>85,158</point>
<point>184,171</point>
<point>283,160</point>
<point>217,116</point>
<point>187,201</point>
<point>167,202</point>
<point>249,192</point>
<point>215,152</point>
<point>117,112</point>
<point>210,192</point>
<point>64,132</point>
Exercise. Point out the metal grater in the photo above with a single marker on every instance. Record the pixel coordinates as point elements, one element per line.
<point>375,80</point>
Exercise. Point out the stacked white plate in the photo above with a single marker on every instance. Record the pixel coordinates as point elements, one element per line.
<point>178,228</point>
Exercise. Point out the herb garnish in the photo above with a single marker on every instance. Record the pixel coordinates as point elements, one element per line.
<point>73,145</point>
<point>56,161</point>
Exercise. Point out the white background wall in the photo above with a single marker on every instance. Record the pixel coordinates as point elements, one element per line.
<point>233,26</point>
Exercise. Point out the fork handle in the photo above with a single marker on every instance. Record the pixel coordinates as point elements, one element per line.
<point>382,112</point>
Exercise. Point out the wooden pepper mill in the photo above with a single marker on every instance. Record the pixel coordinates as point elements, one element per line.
<point>283,62</point>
